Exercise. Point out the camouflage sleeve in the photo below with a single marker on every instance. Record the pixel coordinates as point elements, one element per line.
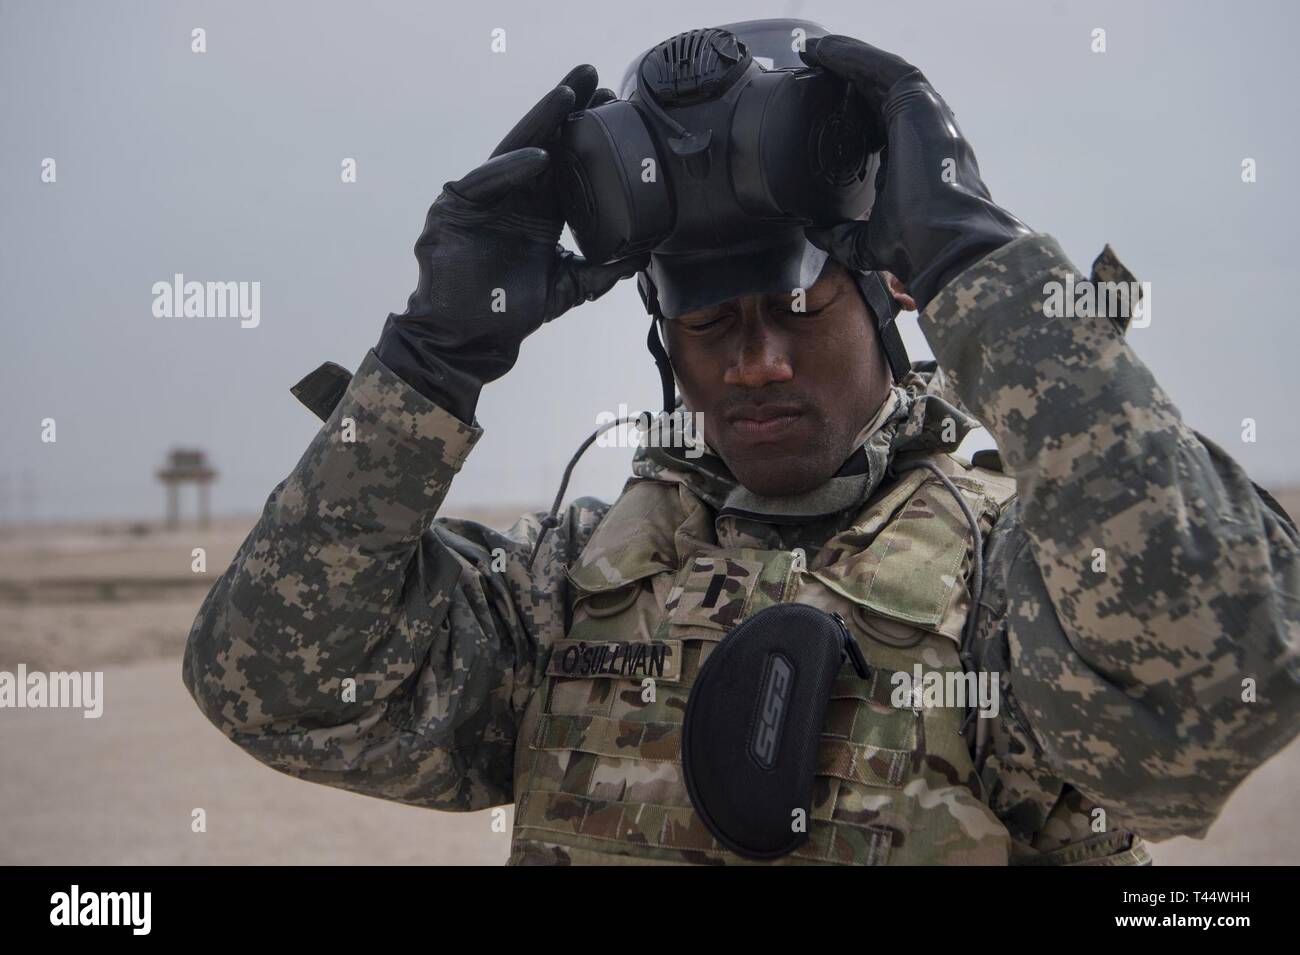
<point>357,642</point>
<point>1153,592</point>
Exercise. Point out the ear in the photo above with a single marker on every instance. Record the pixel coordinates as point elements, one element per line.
<point>897,290</point>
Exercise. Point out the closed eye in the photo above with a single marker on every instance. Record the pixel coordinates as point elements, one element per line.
<point>788,310</point>
<point>784,304</point>
<point>704,324</point>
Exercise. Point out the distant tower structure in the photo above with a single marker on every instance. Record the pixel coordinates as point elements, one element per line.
<point>186,466</point>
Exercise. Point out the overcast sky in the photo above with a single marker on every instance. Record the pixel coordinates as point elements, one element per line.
<point>225,166</point>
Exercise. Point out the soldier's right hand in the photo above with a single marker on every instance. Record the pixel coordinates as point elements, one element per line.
<point>492,270</point>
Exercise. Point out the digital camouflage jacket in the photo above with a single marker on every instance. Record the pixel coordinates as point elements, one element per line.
<point>1139,613</point>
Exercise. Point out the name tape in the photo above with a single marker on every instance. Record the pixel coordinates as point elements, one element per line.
<point>617,659</point>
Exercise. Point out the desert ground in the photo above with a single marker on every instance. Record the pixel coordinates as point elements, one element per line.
<point>122,789</point>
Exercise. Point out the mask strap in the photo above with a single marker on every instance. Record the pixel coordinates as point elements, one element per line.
<point>885,308</point>
<point>651,301</point>
<point>664,364</point>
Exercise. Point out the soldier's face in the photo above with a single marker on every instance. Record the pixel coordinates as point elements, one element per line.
<point>783,392</point>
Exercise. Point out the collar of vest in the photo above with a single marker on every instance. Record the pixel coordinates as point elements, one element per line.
<point>918,415</point>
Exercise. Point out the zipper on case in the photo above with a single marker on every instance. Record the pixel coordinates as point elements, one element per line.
<point>852,650</point>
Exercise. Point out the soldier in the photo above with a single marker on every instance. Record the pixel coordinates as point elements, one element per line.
<point>1130,589</point>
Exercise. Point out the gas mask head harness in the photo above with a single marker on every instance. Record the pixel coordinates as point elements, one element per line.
<point>722,149</point>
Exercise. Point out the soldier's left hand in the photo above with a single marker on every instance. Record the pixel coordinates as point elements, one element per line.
<point>933,216</point>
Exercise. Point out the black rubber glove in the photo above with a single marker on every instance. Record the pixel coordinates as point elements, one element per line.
<point>922,228</point>
<point>492,270</point>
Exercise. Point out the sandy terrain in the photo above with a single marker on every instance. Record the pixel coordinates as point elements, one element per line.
<point>122,789</point>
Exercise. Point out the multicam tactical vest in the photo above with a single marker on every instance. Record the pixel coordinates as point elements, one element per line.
<point>663,579</point>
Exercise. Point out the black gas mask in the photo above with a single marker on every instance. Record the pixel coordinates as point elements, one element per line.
<point>722,149</point>
<point>710,150</point>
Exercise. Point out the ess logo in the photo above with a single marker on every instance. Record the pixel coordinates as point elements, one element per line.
<point>765,739</point>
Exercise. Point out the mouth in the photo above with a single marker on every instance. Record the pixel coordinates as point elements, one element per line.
<point>764,422</point>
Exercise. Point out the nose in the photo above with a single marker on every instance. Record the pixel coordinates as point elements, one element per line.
<point>761,357</point>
